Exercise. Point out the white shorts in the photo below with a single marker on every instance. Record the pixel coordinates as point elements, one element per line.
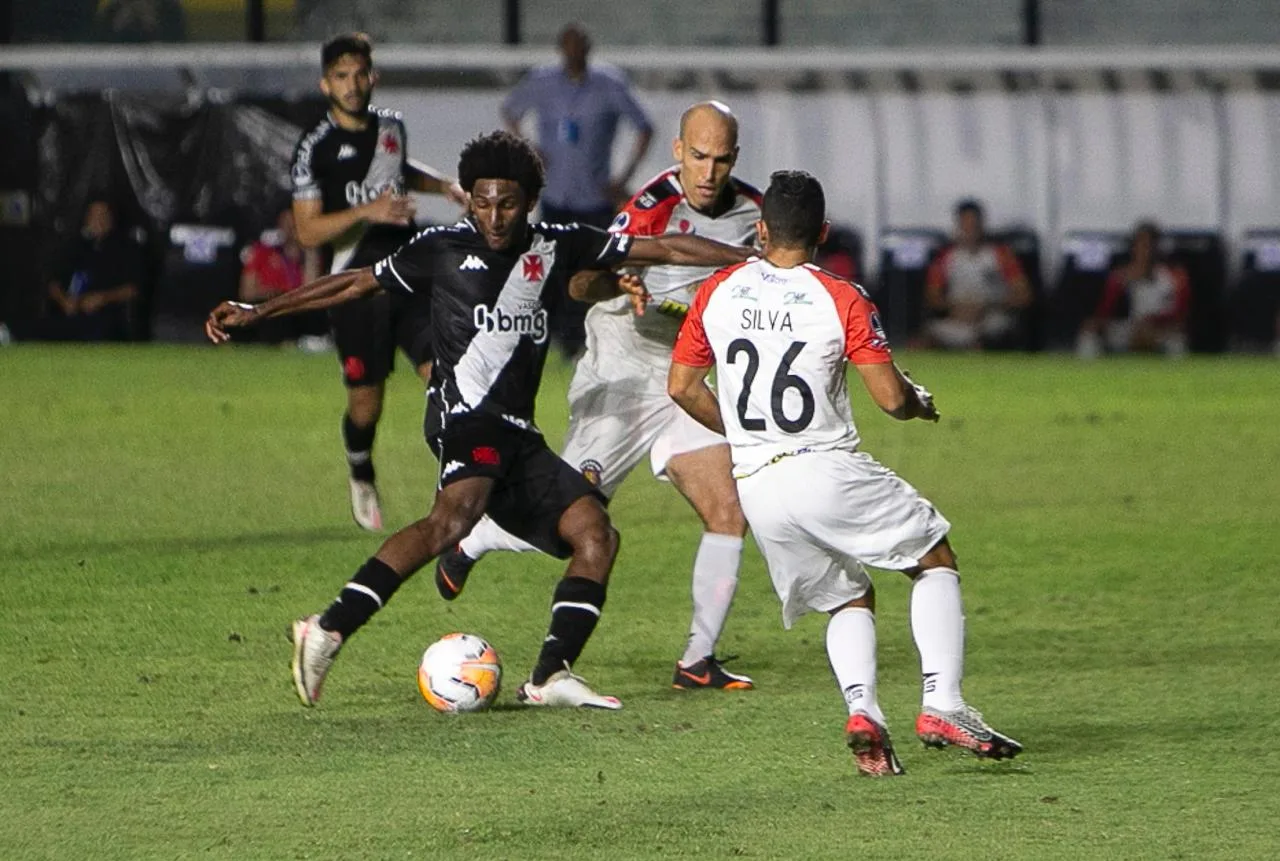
<point>614,423</point>
<point>819,517</point>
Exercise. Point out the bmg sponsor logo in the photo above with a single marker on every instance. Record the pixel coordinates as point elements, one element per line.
<point>496,321</point>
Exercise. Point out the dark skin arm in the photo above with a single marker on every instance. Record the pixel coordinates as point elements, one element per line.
<point>684,250</point>
<point>427,179</point>
<point>597,285</point>
<point>325,292</point>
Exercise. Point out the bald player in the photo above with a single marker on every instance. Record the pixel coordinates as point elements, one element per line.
<point>619,407</point>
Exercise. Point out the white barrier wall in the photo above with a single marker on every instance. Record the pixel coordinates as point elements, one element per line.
<point>1051,161</point>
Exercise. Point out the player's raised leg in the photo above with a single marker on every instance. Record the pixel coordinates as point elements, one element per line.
<point>359,426</point>
<point>318,638</point>
<point>705,478</point>
<point>575,610</point>
<point>937,625</point>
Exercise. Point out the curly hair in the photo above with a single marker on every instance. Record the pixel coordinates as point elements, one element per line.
<point>501,155</point>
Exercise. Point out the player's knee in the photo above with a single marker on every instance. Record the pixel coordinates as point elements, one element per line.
<point>939,556</point>
<point>727,519</point>
<point>597,542</point>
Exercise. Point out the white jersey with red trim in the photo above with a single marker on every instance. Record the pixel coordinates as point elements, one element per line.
<point>780,340</point>
<point>613,330</point>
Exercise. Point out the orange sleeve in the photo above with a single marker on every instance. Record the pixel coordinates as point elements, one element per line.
<point>865,342</point>
<point>693,348</point>
<point>649,212</point>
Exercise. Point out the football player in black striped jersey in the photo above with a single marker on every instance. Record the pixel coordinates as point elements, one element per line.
<point>486,280</point>
<point>351,174</point>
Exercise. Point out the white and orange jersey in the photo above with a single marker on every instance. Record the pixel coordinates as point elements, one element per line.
<point>661,208</point>
<point>780,340</point>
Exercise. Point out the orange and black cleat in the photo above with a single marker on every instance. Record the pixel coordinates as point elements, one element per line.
<point>709,673</point>
<point>964,727</point>
<point>871,748</point>
<point>452,569</point>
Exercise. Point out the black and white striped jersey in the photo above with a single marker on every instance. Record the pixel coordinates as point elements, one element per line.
<point>489,322</point>
<point>343,169</point>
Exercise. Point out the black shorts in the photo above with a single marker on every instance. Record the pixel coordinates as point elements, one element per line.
<point>533,486</point>
<point>368,330</point>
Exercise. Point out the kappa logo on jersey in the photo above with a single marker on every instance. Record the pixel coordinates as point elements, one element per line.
<point>496,321</point>
<point>472,264</point>
<point>346,151</point>
<point>390,143</point>
<point>533,269</point>
<point>451,467</point>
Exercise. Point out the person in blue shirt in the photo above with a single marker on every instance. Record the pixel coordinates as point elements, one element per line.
<point>578,106</point>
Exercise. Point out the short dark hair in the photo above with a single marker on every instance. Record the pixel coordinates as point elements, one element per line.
<point>970,204</point>
<point>346,43</point>
<point>794,209</point>
<point>501,155</point>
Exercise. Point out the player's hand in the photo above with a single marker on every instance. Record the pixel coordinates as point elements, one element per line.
<point>454,194</point>
<point>925,408</point>
<point>633,286</point>
<point>390,208</point>
<point>228,315</point>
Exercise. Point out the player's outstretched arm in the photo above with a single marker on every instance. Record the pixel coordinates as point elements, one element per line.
<point>423,177</point>
<point>317,227</point>
<point>895,393</point>
<point>322,293</point>
<point>597,285</point>
<point>684,250</point>
<point>687,386</point>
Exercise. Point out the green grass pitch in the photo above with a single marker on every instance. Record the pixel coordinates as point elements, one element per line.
<point>164,512</point>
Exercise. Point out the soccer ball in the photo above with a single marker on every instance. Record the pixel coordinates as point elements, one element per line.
<point>460,673</point>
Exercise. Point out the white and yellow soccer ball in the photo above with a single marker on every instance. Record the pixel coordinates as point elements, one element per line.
<point>460,673</point>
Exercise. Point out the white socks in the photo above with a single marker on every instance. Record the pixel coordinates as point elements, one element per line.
<point>487,536</point>
<point>937,624</point>
<point>851,648</point>
<point>715,579</point>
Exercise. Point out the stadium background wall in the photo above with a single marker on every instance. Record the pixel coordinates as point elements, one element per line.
<point>1051,145</point>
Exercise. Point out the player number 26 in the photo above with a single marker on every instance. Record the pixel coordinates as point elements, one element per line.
<point>783,380</point>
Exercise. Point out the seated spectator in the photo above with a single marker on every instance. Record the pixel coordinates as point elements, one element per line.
<point>275,264</point>
<point>975,288</point>
<point>1144,306</point>
<point>93,293</point>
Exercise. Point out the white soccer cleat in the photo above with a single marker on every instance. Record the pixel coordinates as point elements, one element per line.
<point>314,649</point>
<point>564,690</point>
<point>365,505</point>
